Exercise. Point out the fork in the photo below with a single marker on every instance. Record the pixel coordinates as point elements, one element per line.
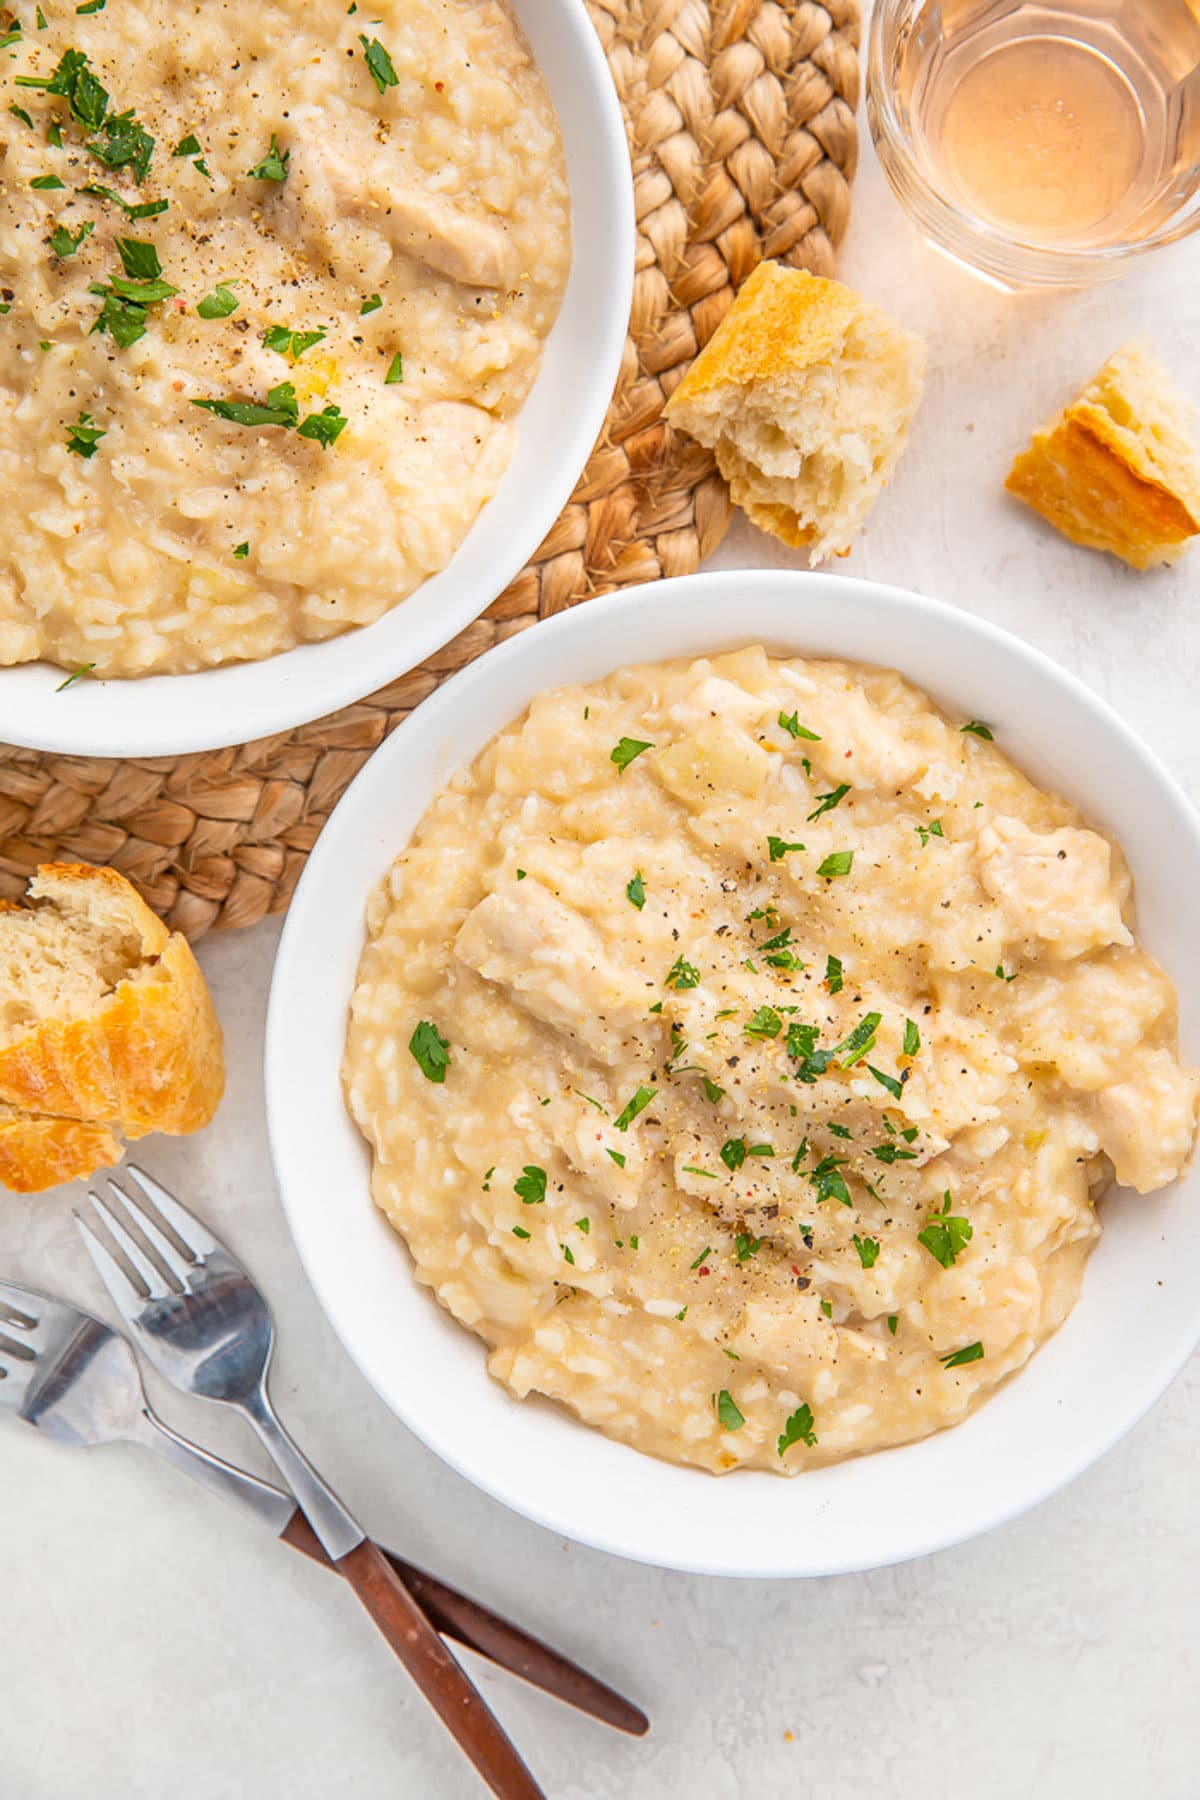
<point>207,1329</point>
<point>73,1378</point>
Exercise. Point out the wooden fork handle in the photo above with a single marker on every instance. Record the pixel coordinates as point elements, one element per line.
<point>442,1680</point>
<point>456,1615</point>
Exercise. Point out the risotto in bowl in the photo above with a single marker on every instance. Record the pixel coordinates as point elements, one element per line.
<point>749,1040</point>
<point>278,294</point>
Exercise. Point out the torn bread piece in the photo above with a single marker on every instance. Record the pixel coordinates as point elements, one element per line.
<point>1117,469</point>
<point>804,393</point>
<point>107,1030</point>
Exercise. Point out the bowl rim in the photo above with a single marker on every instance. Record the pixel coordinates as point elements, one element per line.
<point>305,929</point>
<point>238,703</point>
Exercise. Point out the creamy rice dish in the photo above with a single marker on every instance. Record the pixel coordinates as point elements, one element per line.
<point>274,282</point>
<point>744,1046</point>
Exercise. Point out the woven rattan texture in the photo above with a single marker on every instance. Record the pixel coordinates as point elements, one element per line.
<point>741,126</point>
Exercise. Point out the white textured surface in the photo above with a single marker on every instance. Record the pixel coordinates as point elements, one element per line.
<point>156,1645</point>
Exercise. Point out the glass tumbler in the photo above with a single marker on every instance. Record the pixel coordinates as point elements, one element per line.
<point>1040,144</point>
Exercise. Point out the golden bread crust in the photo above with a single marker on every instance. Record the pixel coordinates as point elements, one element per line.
<point>147,1058</point>
<point>1113,470</point>
<point>781,319</point>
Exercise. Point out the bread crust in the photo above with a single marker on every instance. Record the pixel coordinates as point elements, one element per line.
<point>781,319</point>
<point>1127,484</point>
<point>147,1058</point>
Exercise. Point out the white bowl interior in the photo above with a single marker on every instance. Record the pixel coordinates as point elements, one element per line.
<point>1139,1316</point>
<point>169,714</point>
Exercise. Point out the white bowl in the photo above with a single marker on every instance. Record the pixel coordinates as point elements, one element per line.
<point>558,425</point>
<point>1139,1315</point>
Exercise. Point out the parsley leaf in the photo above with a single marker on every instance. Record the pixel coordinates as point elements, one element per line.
<point>682,975</point>
<point>827,802</point>
<point>379,63</point>
<point>84,435</point>
<point>891,1153</point>
<point>395,371</point>
<point>44,183</point>
<point>868,1250</point>
<point>371,304</point>
<point>627,751</point>
<point>978,729</point>
<point>731,1419</point>
<point>827,1179</point>
<point>292,344</point>
<point>925,832</point>
<point>833,975</point>
<point>65,243</point>
<point>80,674</point>
<point>242,551</point>
<point>798,1430</point>
<point>779,848</point>
<point>838,863</point>
<point>853,1048</point>
<point>632,1108</point>
<point>968,1354</point>
<point>188,146</point>
<point>220,303</point>
<point>712,1091</point>
<point>745,1245</point>
<point>912,1038</point>
<point>766,1023</point>
<point>274,165</point>
<point>431,1050</point>
<point>325,427</point>
<point>125,145</point>
<point>18,112</point>
<point>893,1319</point>
<point>945,1237</point>
<point>530,1185</point>
<point>519,1231</point>
<point>635,891</point>
<point>140,261</point>
<point>280,408</point>
<point>790,722</point>
<point>894,1087</point>
<point>702,1258</point>
<point>616,1156</point>
<point>733,1152</point>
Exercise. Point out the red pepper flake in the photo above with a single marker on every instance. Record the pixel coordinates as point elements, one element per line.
<point>705,1270</point>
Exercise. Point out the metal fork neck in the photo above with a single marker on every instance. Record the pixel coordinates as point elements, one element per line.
<point>337,1530</point>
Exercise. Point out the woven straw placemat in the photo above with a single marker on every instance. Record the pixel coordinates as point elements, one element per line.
<point>741,125</point>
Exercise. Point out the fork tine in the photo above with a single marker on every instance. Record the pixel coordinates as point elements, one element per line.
<point>180,1267</point>
<point>129,1300</point>
<point>18,1303</point>
<point>184,1224</point>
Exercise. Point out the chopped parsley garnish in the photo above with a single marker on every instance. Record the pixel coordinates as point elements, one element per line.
<point>893,1319</point>
<point>617,1157</point>
<point>530,1185</point>
<point>827,1308</point>
<point>242,551</point>
<point>431,1050</point>
<point>126,143</point>
<point>682,975</point>
<point>634,1240</point>
<point>833,975</point>
<point>968,1354</point>
<point>325,427</point>
<point>802,1048</point>
<point>766,1023</point>
<point>124,321</point>
<point>853,1048</point>
<point>84,435</point>
<point>801,1153</point>
<point>827,802</point>
<point>140,262</point>
<point>627,751</point>
<point>690,1169</point>
<point>379,63</point>
<point>146,210</point>
<point>798,1430</point>
<point>584,1225</point>
<point>868,1250</point>
<point>681,1314</point>
<point>733,1152</point>
<point>978,729</point>
<point>371,304</point>
<point>635,891</point>
<point>839,862</point>
<point>568,1255</point>
<point>731,1419</point>
<point>912,1038</point>
<point>944,1237</point>
<point>19,112</point>
<point>892,1153</point>
<point>91,6</point>
<point>839,1130</point>
<point>188,146</point>
<point>1001,976</point>
<point>274,165</point>
<point>220,303</point>
<point>395,371</point>
<point>65,243</point>
<point>827,1179</point>
<point>11,37</point>
<point>925,832</point>
<point>790,722</point>
<point>291,344</point>
<point>519,1231</point>
<point>632,1108</point>
<point>894,1087</point>
<point>711,1090</point>
<point>45,182</point>
<point>280,408</point>
<point>81,674</point>
<point>745,1245</point>
<point>779,848</point>
<point>702,1258</point>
